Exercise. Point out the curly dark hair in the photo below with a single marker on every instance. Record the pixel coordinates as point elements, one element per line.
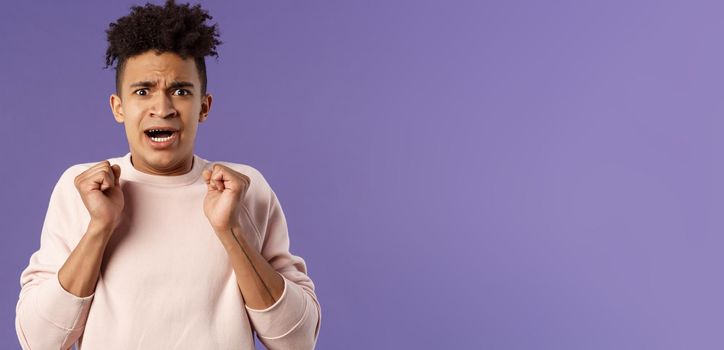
<point>169,28</point>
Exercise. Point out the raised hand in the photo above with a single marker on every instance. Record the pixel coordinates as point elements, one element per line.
<point>226,188</point>
<point>101,194</point>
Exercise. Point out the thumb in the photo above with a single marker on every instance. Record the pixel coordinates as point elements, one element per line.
<point>116,173</point>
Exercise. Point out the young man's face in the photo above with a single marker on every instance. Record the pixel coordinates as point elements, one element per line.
<point>160,92</point>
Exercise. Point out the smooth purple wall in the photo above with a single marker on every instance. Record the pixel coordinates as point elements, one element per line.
<point>456,174</point>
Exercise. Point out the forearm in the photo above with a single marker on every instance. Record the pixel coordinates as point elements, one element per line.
<point>260,285</point>
<point>79,273</point>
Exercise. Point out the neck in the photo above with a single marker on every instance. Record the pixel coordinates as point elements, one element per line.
<point>174,169</point>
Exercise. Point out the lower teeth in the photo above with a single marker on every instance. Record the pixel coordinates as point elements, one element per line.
<point>161,139</point>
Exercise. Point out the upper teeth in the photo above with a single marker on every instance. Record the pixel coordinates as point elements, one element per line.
<point>155,130</point>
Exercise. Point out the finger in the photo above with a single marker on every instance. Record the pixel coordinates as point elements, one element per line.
<point>93,169</point>
<point>104,172</point>
<point>219,185</point>
<point>100,164</point>
<point>210,186</point>
<point>111,174</point>
<point>104,180</point>
<point>116,174</point>
<point>207,179</point>
<point>218,178</point>
<point>91,177</point>
<point>83,177</point>
<point>207,176</point>
<point>217,173</point>
<point>230,178</point>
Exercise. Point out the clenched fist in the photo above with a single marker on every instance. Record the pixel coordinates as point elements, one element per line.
<point>225,191</point>
<point>101,193</point>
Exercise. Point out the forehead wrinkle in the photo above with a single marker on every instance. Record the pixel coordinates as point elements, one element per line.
<point>166,75</point>
<point>170,84</point>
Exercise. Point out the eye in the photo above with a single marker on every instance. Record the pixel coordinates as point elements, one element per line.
<point>185,92</point>
<point>141,90</point>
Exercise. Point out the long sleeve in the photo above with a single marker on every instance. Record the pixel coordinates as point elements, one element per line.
<point>292,322</point>
<point>48,316</point>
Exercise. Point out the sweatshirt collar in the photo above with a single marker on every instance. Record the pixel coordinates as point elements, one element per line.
<point>130,173</point>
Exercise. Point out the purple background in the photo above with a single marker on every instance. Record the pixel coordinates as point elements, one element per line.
<point>456,174</point>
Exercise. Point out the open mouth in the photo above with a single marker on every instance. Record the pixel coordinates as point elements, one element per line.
<point>161,136</point>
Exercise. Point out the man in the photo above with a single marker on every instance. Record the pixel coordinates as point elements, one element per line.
<point>160,248</point>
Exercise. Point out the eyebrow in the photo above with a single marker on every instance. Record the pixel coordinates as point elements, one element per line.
<point>174,84</point>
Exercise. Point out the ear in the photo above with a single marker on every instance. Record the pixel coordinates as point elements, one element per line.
<point>117,108</point>
<point>205,107</point>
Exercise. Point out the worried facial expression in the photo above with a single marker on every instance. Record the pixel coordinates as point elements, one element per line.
<point>160,107</point>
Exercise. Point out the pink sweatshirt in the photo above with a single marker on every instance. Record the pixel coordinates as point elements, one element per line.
<point>166,281</point>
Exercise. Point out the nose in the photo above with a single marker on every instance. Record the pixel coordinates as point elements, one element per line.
<point>162,106</point>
